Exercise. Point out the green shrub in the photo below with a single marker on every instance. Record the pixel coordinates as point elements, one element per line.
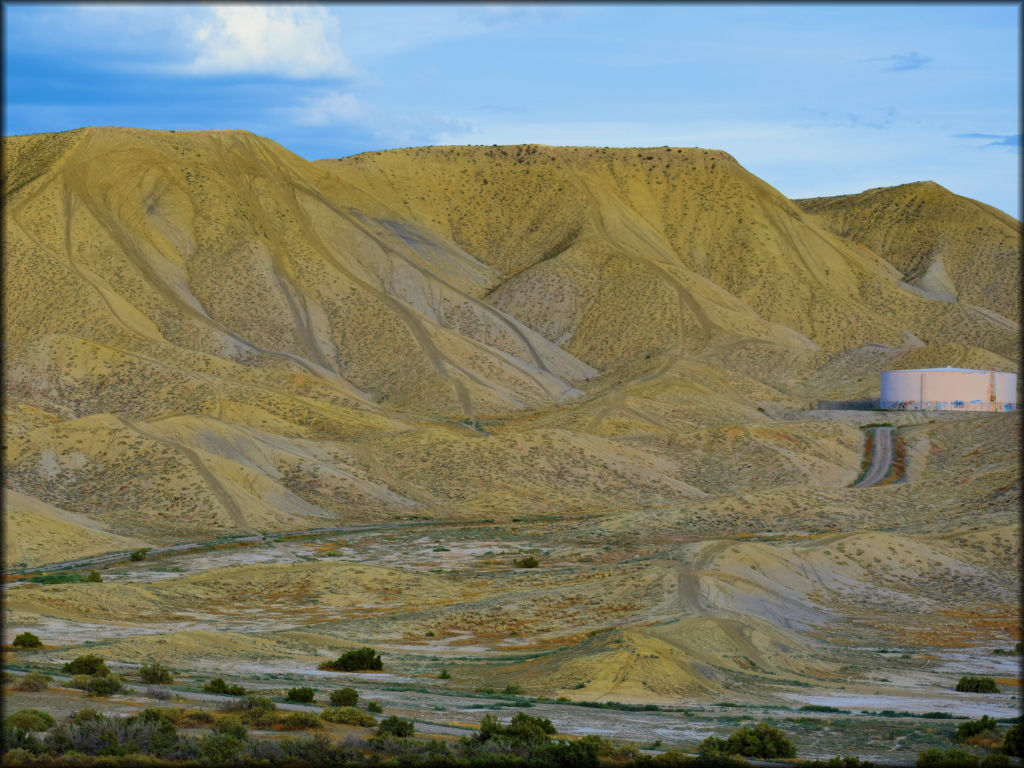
<point>33,681</point>
<point>231,725</point>
<point>761,740</point>
<point>344,697</point>
<point>523,727</point>
<point>972,684</point>
<point>155,673</point>
<point>90,664</point>
<point>1013,740</point>
<point>217,685</point>
<point>104,685</point>
<point>527,562</point>
<point>348,716</point>
<point>196,718</point>
<point>995,761</point>
<point>971,728</point>
<point>81,682</point>
<point>138,554</point>
<point>513,689</point>
<point>373,706</point>
<point>712,745</point>
<point>846,761</point>
<point>301,721</point>
<point>27,640</point>
<point>30,720</point>
<point>581,753</point>
<point>94,576</point>
<point>87,715</point>
<point>220,748</point>
<point>302,695</point>
<point>950,758</point>
<point>528,728</point>
<point>363,660</point>
<point>395,726</point>
<point>444,674</point>
<point>251,703</point>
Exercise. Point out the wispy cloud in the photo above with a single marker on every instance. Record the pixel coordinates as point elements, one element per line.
<point>329,109</point>
<point>902,62</point>
<point>1011,140</point>
<point>341,109</point>
<point>882,118</point>
<point>298,41</point>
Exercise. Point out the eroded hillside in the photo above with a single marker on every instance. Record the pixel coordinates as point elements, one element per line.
<point>610,356</point>
<point>207,332</point>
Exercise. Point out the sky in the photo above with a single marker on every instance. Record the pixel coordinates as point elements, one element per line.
<point>814,99</point>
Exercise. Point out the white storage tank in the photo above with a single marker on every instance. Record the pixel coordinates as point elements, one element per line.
<point>948,389</point>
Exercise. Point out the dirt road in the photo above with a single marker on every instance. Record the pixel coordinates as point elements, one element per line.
<point>881,459</point>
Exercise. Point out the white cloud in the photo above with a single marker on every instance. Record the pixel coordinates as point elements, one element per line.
<point>329,109</point>
<point>291,41</point>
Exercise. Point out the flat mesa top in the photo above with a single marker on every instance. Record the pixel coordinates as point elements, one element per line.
<point>954,370</point>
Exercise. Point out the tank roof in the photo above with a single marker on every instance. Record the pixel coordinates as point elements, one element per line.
<point>947,368</point>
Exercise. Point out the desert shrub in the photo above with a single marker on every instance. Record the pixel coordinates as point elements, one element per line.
<point>526,562</point>
<point>33,681</point>
<point>1013,740</point>
<point>317,750</point>
<point>972,684</point>
<point>395,726</point>
<point>712,745</point>
<point>94,576</point>
<point>196,718</point>
<point>104,685</point>
<point>995,761</point>
<point>217,685</point>
<point>348,716</point>
<point>220,748</point>
<point>950,758</point>
<point>163,694</point>
<point>302,695</point>
<point>27,640</point>
<point>30,720</point>
<point>971,728</point>
<point>363,660</point>
<point>761,740</point>
<point>522,728</point>
<point>344,697</point>
<point>81,682</point>
<point>86,715</point>
<point>513,689</point>
<point>90,733</point>
<point>444,674</point>
<point>231,725</point>
<point>249,703</point>
<point>846,761</point>
<point>572,754</point>
<point>529,728</point>
<point>155,673</point>
<point>373,706</point>
<point>19,746</point>
<point>90,664</point>
<point>153,731</point>
<point>607,748</point>
<point>301,721</point>
<point>138,554</point>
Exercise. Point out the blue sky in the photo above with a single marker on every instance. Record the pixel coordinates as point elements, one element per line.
<point>815,99</point>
